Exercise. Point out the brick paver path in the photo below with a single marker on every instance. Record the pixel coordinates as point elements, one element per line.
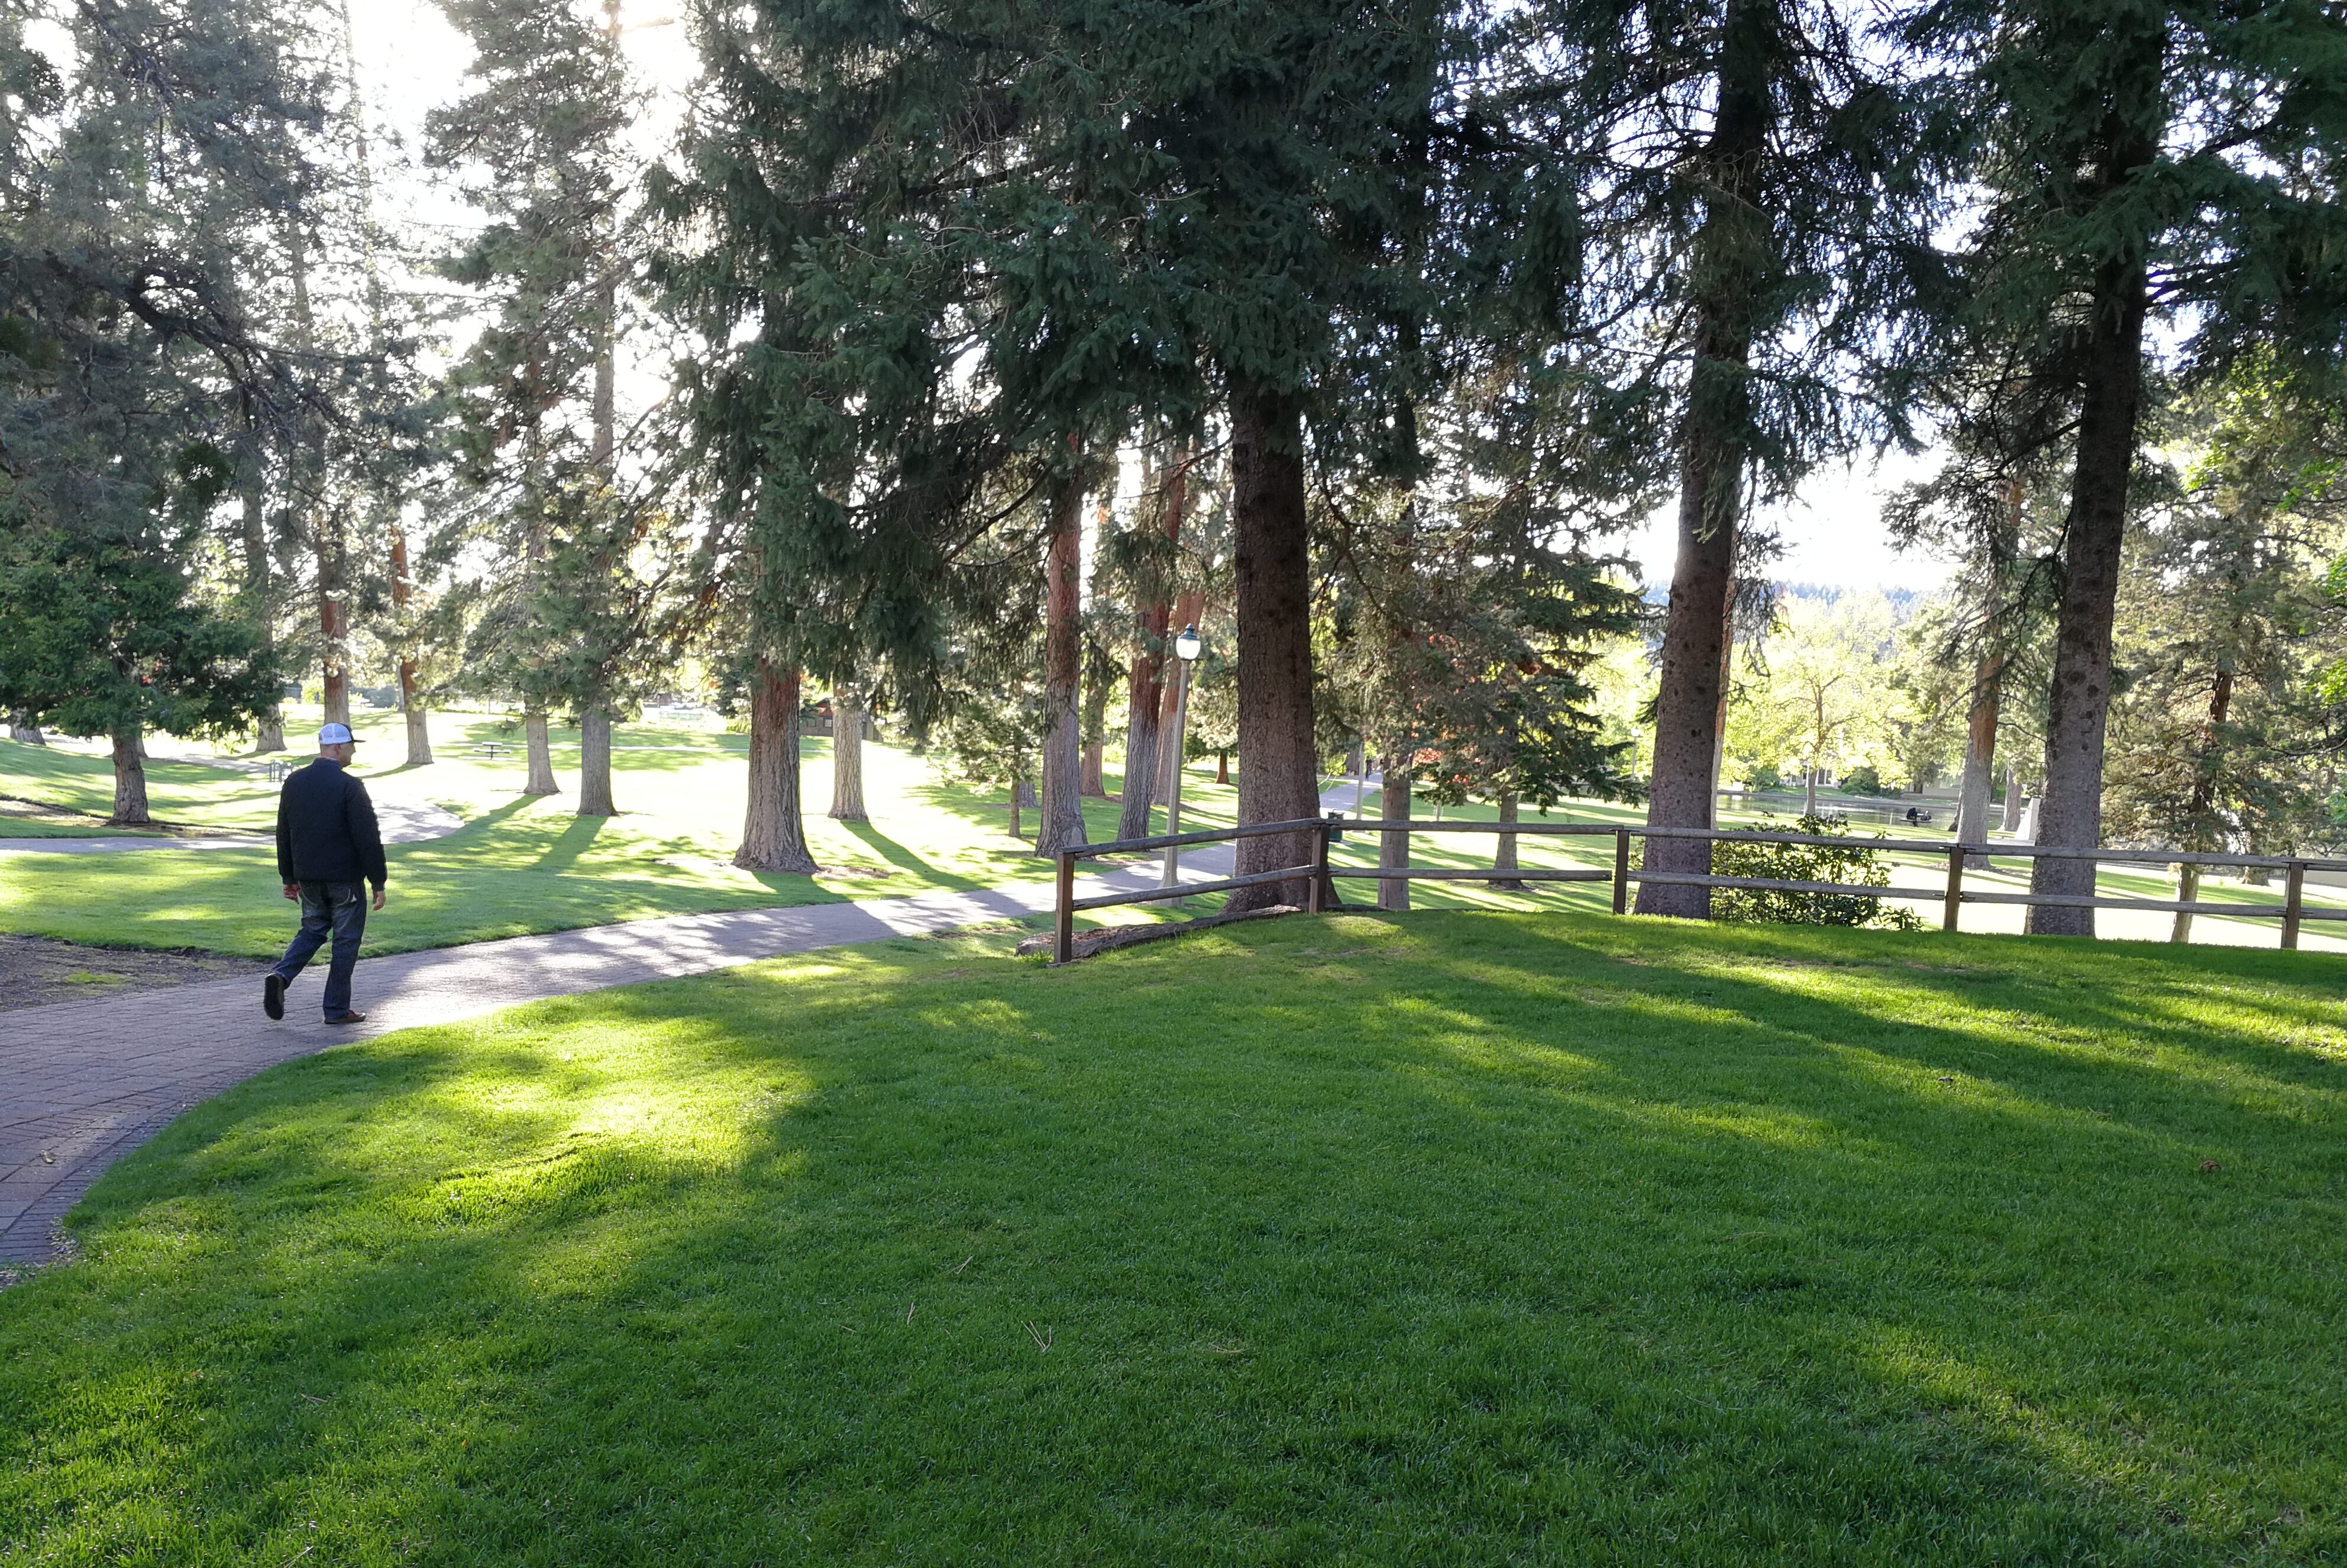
<point>83,1083</point>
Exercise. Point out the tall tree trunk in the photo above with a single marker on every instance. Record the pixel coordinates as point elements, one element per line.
<point>846,754</point>
<point>1279,775</point>
<point>1018,799</point>
<point>2204,795</point>
<point>595,762</point>
<point>1394,806</point>
<point>1223,771</point>
<point>2070,813</point>
<point>1091,782</point>
<point>129,780</point>
<point>774,835</point>
<point>2012,798</point>
<point>419,733</point>
<point>22,728</point>
<point>1980,756</point>
<point>1712,449</point>
<point>1172,743</point>
<point>540,751</point>
<point>269,729</point>
<point>1504,858</point>
<point>327,525</point>
<point>1062,826</point>
<point>1148,696</point>
<point>1809,786</point>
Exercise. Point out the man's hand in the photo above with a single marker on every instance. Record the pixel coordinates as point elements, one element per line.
<point>293,891</point>
<point>378,900</point>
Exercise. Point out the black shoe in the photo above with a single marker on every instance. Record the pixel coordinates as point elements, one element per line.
<point>272,996</point>
<point>349,1018</point>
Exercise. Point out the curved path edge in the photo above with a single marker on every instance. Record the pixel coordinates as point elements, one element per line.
<point>83,1083</point>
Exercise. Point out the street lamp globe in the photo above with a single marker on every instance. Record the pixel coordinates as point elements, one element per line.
<point>1188,646</point>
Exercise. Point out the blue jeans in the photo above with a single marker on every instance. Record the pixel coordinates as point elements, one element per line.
<point>339,909</point>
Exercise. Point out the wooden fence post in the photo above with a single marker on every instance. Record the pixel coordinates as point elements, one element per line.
<point>1063,927</point>
<point>1621,871</point>
<point>1319,868</point>
<point>1955,888</point>
<point>2293,901</point>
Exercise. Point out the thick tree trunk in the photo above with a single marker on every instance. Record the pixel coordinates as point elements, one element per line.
<point>595,763</point>
<point>1393,849</point>
<point>1980,756</point>
<point>1138,790</point>
<point>2070,813</point>
<point>1062,825</point>
<point>540,751</point>
<point>333,624</point>
<point>1712,445</point>
<point>1223,772</point>
<point>2012,798</point>
<point>22,728</point>
<point>1278,766</point>
<point>774,835</point>
<point>848,754</point>
<point>130,780</point>
<point>1504,858</point>
<point>1810,789</point>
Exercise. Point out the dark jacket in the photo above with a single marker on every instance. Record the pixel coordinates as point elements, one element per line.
<point>325,828</point>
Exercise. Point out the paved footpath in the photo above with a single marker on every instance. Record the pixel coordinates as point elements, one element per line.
<point>83,1083</point>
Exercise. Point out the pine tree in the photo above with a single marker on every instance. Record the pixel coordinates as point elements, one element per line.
<point>2147,166</point>
<point>1759,205</point>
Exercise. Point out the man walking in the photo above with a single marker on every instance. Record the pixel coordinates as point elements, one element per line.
<point>327,844</point>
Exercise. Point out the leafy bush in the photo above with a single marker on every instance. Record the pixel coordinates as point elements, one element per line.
<point>1864,781</point>
<point>1763,775</point>
<point>1807,863</point>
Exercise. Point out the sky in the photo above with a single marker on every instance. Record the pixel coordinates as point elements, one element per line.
<point>410,58</point>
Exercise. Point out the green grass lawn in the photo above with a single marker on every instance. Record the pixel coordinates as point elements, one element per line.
<point>1453,1238</point>
<point>522,864</point>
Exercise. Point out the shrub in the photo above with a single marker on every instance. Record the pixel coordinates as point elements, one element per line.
<point>1807,863</point>
<point>1864,781</point>
<point>1763,775</point>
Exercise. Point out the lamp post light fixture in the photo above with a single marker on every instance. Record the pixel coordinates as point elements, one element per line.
<point>1187,647</point>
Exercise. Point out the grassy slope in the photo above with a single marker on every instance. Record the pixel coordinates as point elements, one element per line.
<point>1453,1239</point>
<point>520,864</point>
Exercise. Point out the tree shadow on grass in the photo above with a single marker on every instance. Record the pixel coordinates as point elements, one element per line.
<point>904,859</point>
<point>1567,1248</point>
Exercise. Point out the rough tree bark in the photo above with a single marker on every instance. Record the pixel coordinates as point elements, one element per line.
<point>2070,812</point>
<point>1503,859</point>
<point>1062,823</point>
<point>595,762</point>
<point>22,728</point>
<point>1711,484</point>
<point>540,751</point>
<point>774,835</point>
<point>2012,798</point>
<point>1393,849</point>
<point>1278,768</point>
<point>129,780</point>
<point>846,754</point>
<point>1980,756</point>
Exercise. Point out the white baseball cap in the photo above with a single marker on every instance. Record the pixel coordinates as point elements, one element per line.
<point>337,735</point>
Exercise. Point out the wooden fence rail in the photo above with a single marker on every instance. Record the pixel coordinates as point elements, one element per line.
<point>1320,874</point>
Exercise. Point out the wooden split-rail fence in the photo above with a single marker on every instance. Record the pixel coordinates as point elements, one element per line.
<point>1322,874</point>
